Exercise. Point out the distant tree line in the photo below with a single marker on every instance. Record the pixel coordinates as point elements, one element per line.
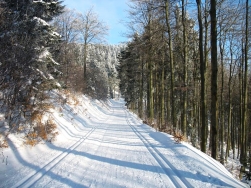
<point>87,63</point>
<point>186,70</point>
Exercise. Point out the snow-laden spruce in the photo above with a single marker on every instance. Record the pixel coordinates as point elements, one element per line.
<point>27,68</point>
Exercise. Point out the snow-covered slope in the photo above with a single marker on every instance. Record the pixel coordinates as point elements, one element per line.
<point>104,145</point>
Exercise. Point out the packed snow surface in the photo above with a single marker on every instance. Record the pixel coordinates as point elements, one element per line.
<point>104,145</point>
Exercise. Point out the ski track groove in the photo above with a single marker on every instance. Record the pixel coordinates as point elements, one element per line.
<point>25,170</point>
<point>37,175</point>
<point>161,160</point>
<point>105,120</point>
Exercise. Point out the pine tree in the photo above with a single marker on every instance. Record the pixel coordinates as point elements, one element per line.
<point>27,66</point>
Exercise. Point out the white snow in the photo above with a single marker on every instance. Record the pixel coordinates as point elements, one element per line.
<point>104,145</point>
<point>40,21</point>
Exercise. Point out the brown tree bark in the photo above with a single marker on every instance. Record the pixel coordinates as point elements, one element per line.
<point>214,87</point>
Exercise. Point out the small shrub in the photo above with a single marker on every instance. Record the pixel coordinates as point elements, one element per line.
<point>178,137</point>
<point>3,140</point>
<point>31,139</point>
<point>4,144</point>
<point>51,130</point>
<point>36,116</point>
<point>41,131</point>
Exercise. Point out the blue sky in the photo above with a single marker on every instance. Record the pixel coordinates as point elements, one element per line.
<point>112,12</point>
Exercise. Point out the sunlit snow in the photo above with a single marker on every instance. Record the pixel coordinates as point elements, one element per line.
<point>104,145</point>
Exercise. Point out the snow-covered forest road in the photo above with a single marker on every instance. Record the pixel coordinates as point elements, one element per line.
<point>104,145</point>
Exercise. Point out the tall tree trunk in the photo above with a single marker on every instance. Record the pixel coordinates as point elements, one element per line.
<point>85,60</point>
<point>246,76</point>
<point>168,106</point>
<point>230,90</point>
<point>141,89</point>
<point>243,155</point>
<point>222,121</point>
<point>150,66</point>
<point>185,54</point>
<point>157,95</point>
<point>202,89</point>
<point>233,134</point>
<point>162,107</point>
<point>214,72</point>
<point>239,129</point>
<point>150,88</point>
<point>206,53</point>
<point>222,109</point>
<point>173,111</point>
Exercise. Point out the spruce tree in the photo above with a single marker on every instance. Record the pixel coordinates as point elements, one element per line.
<point>27,67</point>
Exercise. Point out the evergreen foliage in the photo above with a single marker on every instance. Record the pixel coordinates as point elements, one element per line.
<point>27,67</point>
